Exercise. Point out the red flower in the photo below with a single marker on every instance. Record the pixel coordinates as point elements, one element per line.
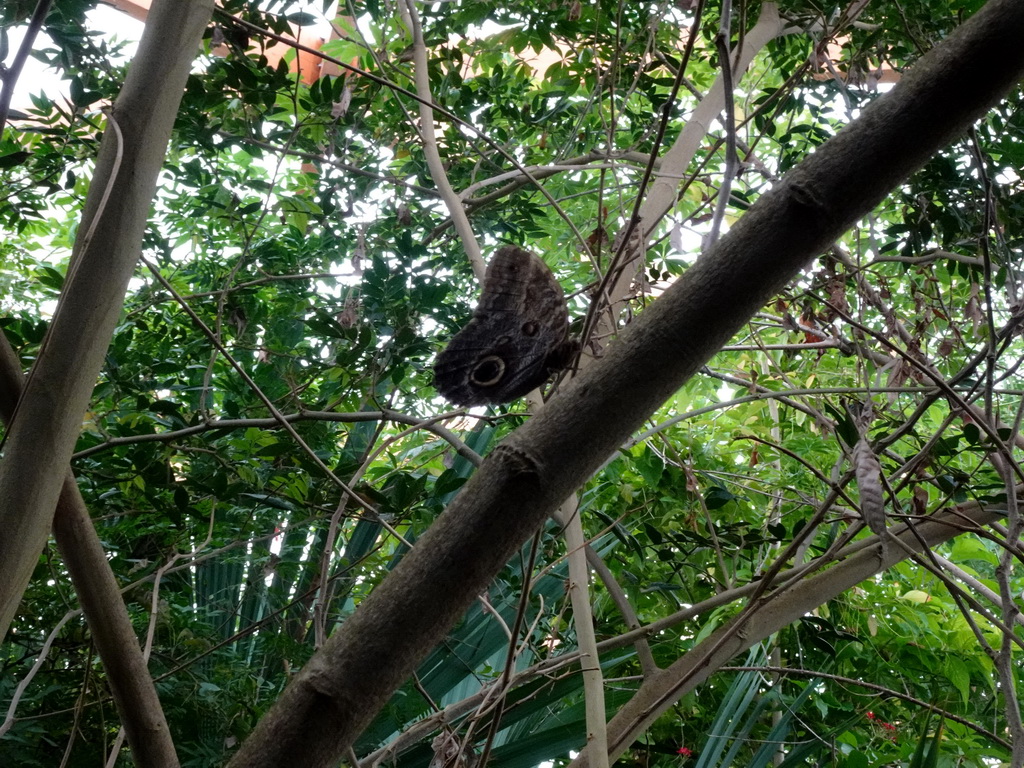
<point>871,715</point>
<point>684,752</point>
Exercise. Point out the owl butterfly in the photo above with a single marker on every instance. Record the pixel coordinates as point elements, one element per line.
<point>517,338</point>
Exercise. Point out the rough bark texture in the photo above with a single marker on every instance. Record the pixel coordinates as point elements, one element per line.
<point>49,415</point>
<point>526,477</point>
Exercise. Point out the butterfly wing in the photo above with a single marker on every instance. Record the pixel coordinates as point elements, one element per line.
<point>520,325</point>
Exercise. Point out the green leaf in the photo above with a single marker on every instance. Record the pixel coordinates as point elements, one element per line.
<point>956,671</point>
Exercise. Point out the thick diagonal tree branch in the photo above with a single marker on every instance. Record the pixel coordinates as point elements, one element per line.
<point>528,475</point>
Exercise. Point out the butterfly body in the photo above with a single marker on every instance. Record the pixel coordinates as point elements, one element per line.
<point>518,336</point>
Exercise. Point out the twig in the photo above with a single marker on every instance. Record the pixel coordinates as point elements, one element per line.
<point>9,76</point>
<point>411,20</point>
<point>725,62</point>
<point>19,691</point>
<point>278,416</point>
<point>397,417</point>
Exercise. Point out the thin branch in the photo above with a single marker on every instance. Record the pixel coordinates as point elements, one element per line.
<point>411,20</point>
<point>881,690</point>
<point>279,417</point>
<point>731,162</point>
<point>9,75</point>
<point>23,684</point>
<point>429,424</point>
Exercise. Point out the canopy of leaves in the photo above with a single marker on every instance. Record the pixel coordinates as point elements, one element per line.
<point>304,226</point>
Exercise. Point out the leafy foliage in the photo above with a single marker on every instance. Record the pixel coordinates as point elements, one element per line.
<point>303,225</point>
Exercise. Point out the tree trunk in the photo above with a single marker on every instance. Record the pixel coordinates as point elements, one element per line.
<point>48,418</point>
